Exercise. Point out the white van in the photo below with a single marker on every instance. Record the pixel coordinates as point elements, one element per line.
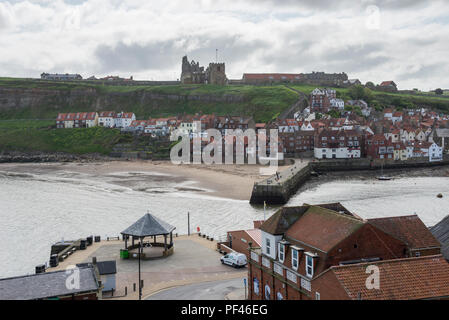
<point>234,259</point>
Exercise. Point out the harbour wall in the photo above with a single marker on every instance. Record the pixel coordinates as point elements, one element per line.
<point>276,190</point>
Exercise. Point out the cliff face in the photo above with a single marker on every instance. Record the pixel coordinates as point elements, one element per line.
<point>92,99</point>
<point>35,99</point>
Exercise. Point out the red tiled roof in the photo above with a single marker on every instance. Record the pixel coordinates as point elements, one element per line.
<point>61,116</point>
<point>256,235</point>
<point>108,114</point>
<point>91,115</point>
<point>400,279</point>
<point>387,83</point>
<point>409,229</point>
<point>70,117</point>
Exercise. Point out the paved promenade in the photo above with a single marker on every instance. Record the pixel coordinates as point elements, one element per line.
<point>195,260</point>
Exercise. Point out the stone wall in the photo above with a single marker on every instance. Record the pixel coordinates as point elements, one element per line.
<point>280,192</point>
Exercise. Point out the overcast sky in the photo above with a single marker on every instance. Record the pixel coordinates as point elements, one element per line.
<point>405,41</point>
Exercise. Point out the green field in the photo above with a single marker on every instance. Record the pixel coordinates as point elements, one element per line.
<point>32,137</point>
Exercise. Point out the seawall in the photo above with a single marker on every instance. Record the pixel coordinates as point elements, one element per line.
<point>279,189</point>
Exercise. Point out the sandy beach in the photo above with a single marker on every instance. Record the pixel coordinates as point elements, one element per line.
<point>226,181</point>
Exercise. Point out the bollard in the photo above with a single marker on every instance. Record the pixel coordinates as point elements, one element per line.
<point>126,291</point>
<point>141,283</point>
<point>134,287</point>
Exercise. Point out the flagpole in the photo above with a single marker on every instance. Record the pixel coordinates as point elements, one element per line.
<point>264,209</point>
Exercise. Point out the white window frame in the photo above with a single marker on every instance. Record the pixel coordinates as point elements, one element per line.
<point>268,246</point>
<point>309,257</point>
<point>281,252</point>
<point>317,296</point>
<point>293,259</point>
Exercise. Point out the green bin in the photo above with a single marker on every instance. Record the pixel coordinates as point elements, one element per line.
<point>124,254</point>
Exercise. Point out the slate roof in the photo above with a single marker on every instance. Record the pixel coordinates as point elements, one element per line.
<point>104,267</point>
<point>280,221</point>
<point>409,229</point>
<point>285,217</point>
<point>46,285</point>
<point>400,279</point>
<point>148,225</point>
<point>323,228</point>
<point>441,232</point>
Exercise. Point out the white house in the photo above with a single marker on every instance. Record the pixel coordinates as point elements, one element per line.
<point>124,119</point>
<point>307,126</point>
<point>396,117</point>
<point>435,153</point>
<point>107,119</point>
<point>388,114</point>
<point>337,104</point>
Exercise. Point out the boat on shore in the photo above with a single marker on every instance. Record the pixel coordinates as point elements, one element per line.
<point>382,177</point>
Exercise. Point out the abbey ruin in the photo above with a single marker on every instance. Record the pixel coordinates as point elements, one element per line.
<point>192,73</point>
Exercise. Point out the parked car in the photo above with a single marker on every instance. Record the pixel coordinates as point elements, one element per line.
<point>234,259</point>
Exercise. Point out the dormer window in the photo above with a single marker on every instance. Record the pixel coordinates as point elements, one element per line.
<point>295,259</point>
<point>268,246</point>
<point>281,252</point>
<point>309,265</point>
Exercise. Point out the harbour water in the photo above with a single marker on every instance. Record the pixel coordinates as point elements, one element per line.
<point>41,207</point>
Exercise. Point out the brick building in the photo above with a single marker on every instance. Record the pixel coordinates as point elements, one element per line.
<point>338,144</point>
<point>301,244</point>
<point>297,142</point>
<point>320,100</point>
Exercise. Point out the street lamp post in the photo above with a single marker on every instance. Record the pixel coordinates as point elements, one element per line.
<point>140,281</point>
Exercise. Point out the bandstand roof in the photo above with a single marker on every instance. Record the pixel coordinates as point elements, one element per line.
<point>147,226</point>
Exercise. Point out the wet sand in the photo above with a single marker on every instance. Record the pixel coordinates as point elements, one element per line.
<point>226,181</point>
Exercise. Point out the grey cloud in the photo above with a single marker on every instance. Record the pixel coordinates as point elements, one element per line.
<point>334,4</point>
<point>165,54</point>
<point>425,72</point>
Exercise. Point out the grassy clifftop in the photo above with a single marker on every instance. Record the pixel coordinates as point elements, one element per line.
<point>36,99</point>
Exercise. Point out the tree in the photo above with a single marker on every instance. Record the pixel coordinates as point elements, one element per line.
<point>335,114</point>
<point>370,85</point>
<point>439,91</point>
<point>359,92</point>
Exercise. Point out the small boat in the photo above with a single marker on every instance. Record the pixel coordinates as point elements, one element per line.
<point>382,177</point>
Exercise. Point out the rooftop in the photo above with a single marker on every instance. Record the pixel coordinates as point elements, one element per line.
<point>148,225</point>
<point>400,279</point>
<point>409,229</point>
<point>46,285</point>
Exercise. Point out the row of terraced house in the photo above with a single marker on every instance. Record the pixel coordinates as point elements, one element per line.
<point>108,119</point>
